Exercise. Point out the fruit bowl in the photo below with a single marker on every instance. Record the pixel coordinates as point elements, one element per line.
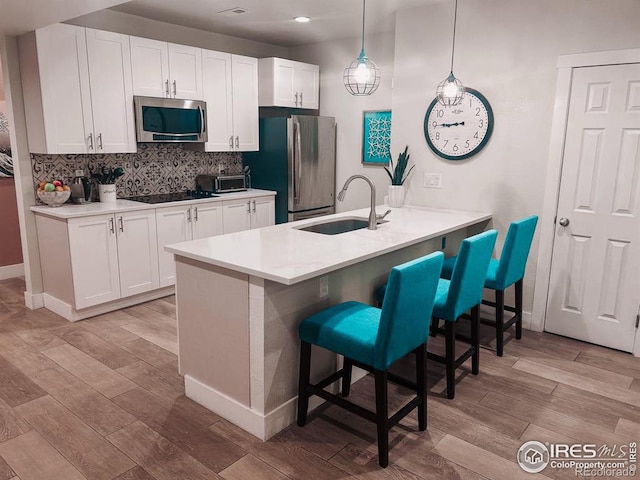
<point>54,199</point>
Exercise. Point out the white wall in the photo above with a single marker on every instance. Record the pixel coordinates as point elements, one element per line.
<point>335,101</point>
<point>506,49</point>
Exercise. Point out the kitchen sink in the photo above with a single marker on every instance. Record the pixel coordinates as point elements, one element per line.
<point>336,227</point>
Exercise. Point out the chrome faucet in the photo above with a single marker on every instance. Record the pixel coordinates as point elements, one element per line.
<point>373,218</point>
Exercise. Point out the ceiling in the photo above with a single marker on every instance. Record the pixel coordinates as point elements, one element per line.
<point>271,21</point>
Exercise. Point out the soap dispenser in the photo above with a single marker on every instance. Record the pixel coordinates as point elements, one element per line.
<point>80,188</point>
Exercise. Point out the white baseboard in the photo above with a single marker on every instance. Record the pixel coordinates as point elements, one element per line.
<point>527,322</point>
<point>67,311</point>
<point>12,271</point>
<point>33,301</point>
<point>262,426</point>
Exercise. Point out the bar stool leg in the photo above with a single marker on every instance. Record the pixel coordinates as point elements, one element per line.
<point>346,376</point>
<point>433,329</point>
<point>499,322</point>
<point>475,339</point>
<point>303,382</point>
<point>421,382</point>
<point>450,355</point>
<point>382,419</point>
<point>519,309</point>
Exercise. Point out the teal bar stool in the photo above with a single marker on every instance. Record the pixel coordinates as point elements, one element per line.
<point>454,297</point>
<point>373,339</point>
<point>504,272</point>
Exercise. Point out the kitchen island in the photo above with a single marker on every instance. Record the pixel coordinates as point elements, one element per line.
<point>240,298</point>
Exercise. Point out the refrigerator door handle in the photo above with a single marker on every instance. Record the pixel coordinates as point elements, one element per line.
<point>297,174</point>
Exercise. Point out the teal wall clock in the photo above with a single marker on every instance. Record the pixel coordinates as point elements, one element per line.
<point>460,131</point>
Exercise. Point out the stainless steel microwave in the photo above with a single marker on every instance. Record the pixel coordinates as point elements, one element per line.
<point>170,120</point>
<point>220,183</point>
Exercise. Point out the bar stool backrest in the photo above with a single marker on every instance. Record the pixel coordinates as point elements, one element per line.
<point>515,252</point>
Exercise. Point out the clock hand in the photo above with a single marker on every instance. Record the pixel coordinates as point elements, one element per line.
<point>450,124</point>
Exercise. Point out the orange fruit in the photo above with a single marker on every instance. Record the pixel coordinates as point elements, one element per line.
<point>66,187</point>
<point>59,189</point>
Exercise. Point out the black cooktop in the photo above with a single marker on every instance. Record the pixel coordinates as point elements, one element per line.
<point>172,197</point>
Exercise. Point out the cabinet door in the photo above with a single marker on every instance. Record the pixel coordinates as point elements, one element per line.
<point>66,94</point>
<point>174,226</point>
<point>137,252</point>
<point>217,91</point>
<point>94,260</point>
<point>285,88</point>
<point>245,103</point>
<point>307,80</point>
<point>185,71</point>
<point>263,212</point>
<point>111,91</point>
<point>150,67</point>
<point>207,219</point>
<point>236,215</point>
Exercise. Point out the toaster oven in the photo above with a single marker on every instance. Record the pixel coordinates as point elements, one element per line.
<point>221,183</point>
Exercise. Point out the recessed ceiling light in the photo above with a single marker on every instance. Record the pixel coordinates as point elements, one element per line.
<point>302,19</point>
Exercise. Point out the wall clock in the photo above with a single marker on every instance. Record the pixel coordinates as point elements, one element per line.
<point>461,131</point>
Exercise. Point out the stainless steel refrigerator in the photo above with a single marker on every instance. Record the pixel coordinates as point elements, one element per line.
<point>297,158</point>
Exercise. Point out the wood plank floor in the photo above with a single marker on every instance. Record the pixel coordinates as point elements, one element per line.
<point>102,399</point>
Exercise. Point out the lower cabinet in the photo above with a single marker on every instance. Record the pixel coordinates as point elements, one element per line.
<point>113,256</point>
<point>182,223</point>
<point>248,213</point>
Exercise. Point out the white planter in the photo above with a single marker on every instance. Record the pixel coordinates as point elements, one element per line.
<point>107,193</point>
<point>396,195</point>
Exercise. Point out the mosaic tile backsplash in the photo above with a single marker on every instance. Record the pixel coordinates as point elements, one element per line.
<point>155,168</point>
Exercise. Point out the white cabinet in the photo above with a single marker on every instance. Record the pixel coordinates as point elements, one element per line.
<point>286,83</point>
<point>112,256</point>
<point>78,90</point>
<point>162,69</point>
<point>248,213</point>
<point>182,223</point>
<point>231,92</point>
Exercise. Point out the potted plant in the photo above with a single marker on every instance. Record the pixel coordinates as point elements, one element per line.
<point>107,183</point>
<point>400,174</point>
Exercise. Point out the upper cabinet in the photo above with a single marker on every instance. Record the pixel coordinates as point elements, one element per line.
<point>231,93</point>
<point>285,83</point>
<point>162,69</point>
<point>77,90</point>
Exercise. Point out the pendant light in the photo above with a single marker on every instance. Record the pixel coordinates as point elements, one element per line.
<point>449,92</point>
<point>362,76</point>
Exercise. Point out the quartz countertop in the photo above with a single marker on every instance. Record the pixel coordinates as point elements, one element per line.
<point>71,210</point>
<point>285,254</point>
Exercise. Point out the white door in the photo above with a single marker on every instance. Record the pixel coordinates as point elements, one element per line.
<point>66,94</point>
<point>150,67</point>
<point>236,215</point>
<point>111,91</point>
<point>263,212</point>
<point>307,79</point>
<point>285,92</point>
<point>185,71</point>
<point>137,252</point>
<point>94,260</point>
<point>174,226</point>
<point>207,219</point>
<point>217,91</point>
<point>245,103</point>
<point>594,286</point>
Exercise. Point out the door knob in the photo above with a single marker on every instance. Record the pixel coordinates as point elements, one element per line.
<point>563,222</point>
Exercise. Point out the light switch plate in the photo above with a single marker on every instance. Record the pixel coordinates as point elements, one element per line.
<point>432,180</point>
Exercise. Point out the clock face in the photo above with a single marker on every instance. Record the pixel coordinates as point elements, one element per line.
<point>459,131</point>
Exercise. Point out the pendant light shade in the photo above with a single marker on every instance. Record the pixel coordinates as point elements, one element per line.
<point>450,91</point>
<point>362,76</point>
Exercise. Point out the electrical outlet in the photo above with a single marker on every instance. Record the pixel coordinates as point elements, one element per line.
<point>220,169</point>
<point>432,180</point>
<point>324,287</point>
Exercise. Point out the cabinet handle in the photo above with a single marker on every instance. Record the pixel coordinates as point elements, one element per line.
<point>121,224</point>
<point>112,226</point>
<point>237,142</point>
<point>296,99</point>
<point>254,206</point>
<point>166,88</point>
<point>195,214</point>
<point>174,89</point>
<point>300,98</point>
<point>100,141</point>
<point>231,142</point>
<point>91,141</point>
<point>249,206</point>
<point>189,215</point>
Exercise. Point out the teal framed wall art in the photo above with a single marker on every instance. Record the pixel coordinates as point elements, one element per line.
<point>376,137</point>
